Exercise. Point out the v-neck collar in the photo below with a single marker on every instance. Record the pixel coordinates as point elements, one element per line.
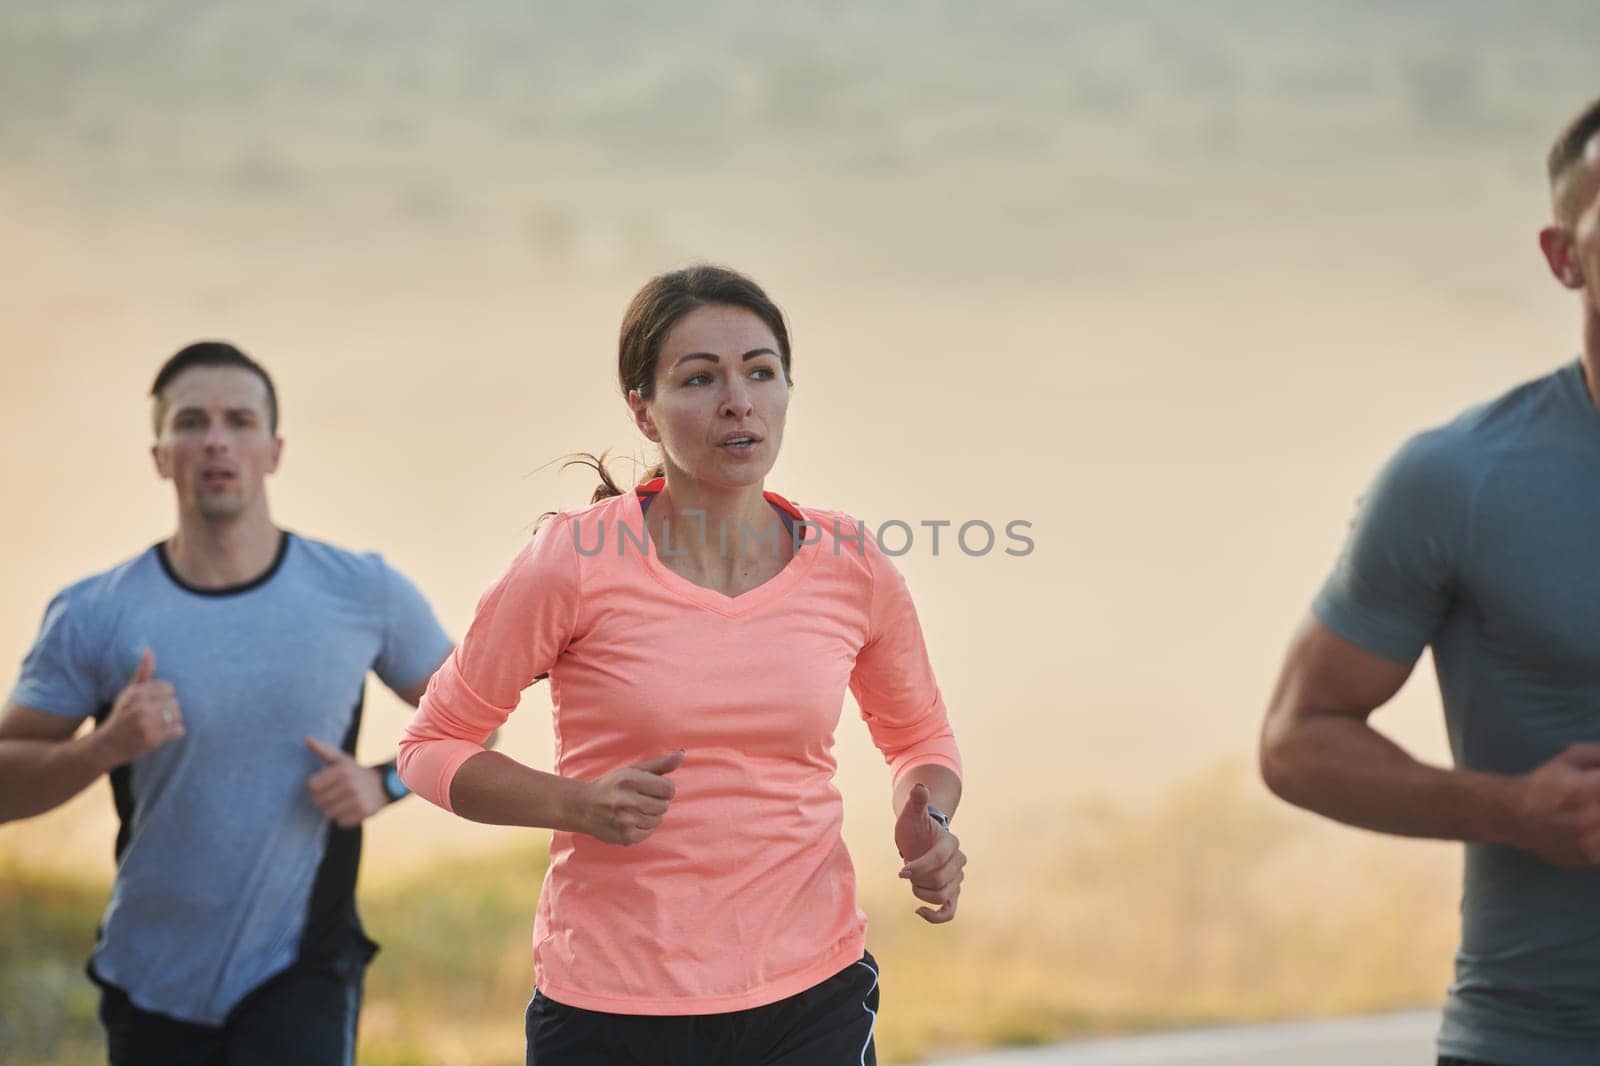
<point>770,590</point>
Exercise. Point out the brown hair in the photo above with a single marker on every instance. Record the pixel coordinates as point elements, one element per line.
<point>660,305</point>
<point>1567,153</point>
<point>210,353</point>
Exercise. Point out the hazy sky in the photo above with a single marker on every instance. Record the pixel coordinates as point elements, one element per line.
<point>1167,283</point>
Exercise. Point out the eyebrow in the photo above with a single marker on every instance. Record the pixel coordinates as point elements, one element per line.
<point>251,411</point>
<point>746,357</point>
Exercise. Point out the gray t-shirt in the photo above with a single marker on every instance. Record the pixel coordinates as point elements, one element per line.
<point>227,872</point>
<point>1482,538</point>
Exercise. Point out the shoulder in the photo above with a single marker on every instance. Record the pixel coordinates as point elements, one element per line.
<point>105,588</point>
<point>359,577</point>
<point>1488,426</point>
<point>1451,459</point>
<point>1436,474</point>
<point>851,542</point>
<point>578,531</point>
<point>563,542</point>
<point>335,565</point>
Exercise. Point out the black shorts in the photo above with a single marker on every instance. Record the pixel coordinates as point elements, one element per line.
<point>305,1016</point>
<point>828,1024</point>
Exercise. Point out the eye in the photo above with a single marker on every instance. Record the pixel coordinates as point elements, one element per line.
<point>697,379</point>
<point>763,373</point>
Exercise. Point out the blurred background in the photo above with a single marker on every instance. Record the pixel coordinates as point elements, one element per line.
<point>1166,281</point>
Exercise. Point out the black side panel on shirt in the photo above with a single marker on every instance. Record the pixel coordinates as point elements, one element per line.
<point>121,792</point>
<point>333,935</point>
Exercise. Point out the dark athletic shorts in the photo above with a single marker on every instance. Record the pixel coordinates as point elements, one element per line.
<point>305,1016</point>
<point>829,1024</point>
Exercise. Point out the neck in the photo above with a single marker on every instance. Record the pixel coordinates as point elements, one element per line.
<point>210,555</point>
<point>745,515</point>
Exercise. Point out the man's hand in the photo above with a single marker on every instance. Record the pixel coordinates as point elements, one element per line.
<point>1558,809</point>
<point>144,716</point>
<point>625,806</point>
<point>934,862</point>
<point>347,792</point>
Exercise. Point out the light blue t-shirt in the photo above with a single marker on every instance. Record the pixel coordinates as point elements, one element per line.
<point>1482,539</point>
<point>227,872</point>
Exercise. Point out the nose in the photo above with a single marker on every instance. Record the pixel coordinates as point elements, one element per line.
<point>217,436</point>
<point>736,400</point>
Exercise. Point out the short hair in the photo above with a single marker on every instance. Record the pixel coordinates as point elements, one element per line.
<point>211,353</point>
<point>1567,153</point>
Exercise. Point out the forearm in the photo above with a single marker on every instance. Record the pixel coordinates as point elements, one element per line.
<point>39,775</point>
<point>1339,766</point>
<point>495,789</point>
<point>944,787</point>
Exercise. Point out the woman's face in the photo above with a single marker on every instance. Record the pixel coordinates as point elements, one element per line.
<point>720,398</point>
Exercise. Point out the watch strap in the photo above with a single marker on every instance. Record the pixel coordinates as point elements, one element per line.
<point>393,787</point>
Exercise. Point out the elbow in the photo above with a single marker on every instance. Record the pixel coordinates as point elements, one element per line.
<point>406,760</point>
<point>1275,758</point>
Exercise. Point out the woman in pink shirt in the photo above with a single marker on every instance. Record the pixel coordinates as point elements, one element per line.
<point>699,634</point>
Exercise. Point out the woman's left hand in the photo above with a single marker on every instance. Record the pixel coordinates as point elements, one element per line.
<point>934,861</point>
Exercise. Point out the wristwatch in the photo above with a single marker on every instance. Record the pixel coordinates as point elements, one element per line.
<point>939,816</point>
<point>393,787</point>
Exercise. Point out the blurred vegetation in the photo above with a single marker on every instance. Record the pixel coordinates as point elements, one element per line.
<point>1213,905</point>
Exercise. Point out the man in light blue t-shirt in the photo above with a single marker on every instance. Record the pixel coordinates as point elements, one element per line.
<point>1481,539</point>
<point>224,670</point>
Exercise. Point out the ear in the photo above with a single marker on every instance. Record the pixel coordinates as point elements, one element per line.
<point>641,416</point>
<point>1556,243</point>
<point>161,466</point>
<point>277,455</point>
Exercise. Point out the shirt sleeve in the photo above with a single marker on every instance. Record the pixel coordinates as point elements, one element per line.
<point>58,674</point>
<point>522,625</point>
<point>1395,580</point>
<point>413,641</point>
<point>893,682</point>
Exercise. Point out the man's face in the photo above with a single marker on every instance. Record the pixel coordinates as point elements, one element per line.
<point>1572,245</point>
<point>214,442</point>
<point>1586,221</point>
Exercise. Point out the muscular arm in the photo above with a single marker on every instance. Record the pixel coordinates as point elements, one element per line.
<point>42,765</point>
<point>1318,751</point>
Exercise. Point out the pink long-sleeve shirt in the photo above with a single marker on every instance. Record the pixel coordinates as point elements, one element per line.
<point>744,894</point>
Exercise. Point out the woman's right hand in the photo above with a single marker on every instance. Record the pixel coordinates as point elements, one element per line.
<point>625,806</point>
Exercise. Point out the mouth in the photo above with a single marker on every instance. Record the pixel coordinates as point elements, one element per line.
<point>739,444</point>
<point>217,478</point>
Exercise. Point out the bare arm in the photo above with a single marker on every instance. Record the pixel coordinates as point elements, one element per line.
<point>42,765</point>
<point>623,807</point>
<point>1318,751</point>
<point>934,862</point>
<point>944,787</point>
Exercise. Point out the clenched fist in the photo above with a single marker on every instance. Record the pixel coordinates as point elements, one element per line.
<point>625,806</point>
<point>935,865</point>
<point>144,716</point>
<point>1558,808</point>
<point>344,790</point>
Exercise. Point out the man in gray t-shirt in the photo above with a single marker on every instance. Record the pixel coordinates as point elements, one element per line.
<point>224,670</point>
<point>1481,539</point>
